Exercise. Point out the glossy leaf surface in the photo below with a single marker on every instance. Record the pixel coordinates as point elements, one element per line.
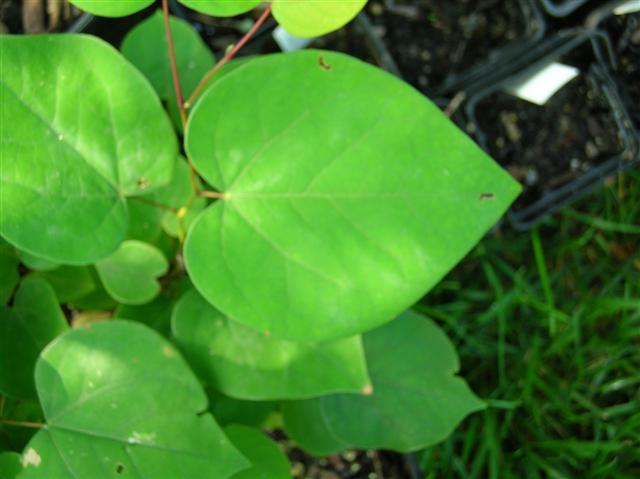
<point>119,401</point>
<point>267,460</point>
<point>221,8</point>
<point>417,400</point>
<point>146,47</point>
<point>131,274</point>
<point>347,195</point>
<point>68,159</point>
<point>25,330</point>
<point>117,8</point>
<point>246,364</point>
<point>313,18</point>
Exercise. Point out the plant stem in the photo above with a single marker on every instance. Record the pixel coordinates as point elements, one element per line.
<point>212,194</point>
<point>34,425</point>
<point>174,65</point>
<point>176,86</point>
<point>232,53</point>
<point>155,204</point>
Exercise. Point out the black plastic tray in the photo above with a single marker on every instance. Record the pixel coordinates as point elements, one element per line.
<point>562,8</point>
<point>550,50</point>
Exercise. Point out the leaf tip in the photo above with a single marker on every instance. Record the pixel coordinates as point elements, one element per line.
<point>367,390</point>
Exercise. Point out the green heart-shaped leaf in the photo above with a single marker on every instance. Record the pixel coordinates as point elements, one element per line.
<point>9,465</point>
<point>25,330</point>
<point>117,8</point>
<point>311,18</point>
<point>221,8</point>
<point>119,401</point>
<point>36,263</point>
<point>130,275</point>
<point>70,282</point>
<point>347,195</point>
<point>416,399</point>
<point>246,364</point>
<point>69,159</point>
<point>267,460</point>
<point>146,47</point>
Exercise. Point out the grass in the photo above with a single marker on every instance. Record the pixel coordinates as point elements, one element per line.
<point>547,326</point>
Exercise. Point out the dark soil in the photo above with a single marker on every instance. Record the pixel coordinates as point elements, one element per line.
<point>545,147</point>
<point>351,464</point>
<point>625,35</point>
<point>434,39</point>
<point>36,16</point>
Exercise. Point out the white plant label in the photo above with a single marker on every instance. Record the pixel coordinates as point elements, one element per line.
<point>631,6</point>
<point>544,83</point>
<point>288,42</point>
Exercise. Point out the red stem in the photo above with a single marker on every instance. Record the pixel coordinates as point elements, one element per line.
<point>232,53</point>
<point>174,65</point>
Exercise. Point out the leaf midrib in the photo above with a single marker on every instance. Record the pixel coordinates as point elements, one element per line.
<point>58,133</point>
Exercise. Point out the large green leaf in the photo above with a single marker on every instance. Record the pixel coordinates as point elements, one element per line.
<point>25,330</point>
<point>347,195</point>
<point>246,364</point>
<point>114,8</point>
<point>119,401</point>
<point>267,460</point>
<point>146,47</point>
<point>130,275</point>
<point>9,465</point>
<point>312,18</point>
<point>416,402</point>
<point>221,8</point>
<point>81,129</point>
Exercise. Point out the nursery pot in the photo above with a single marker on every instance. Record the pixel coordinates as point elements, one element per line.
<point>562,8</point>
<point>622,28</point>
<point>566,146</point>
<point>440,47</point>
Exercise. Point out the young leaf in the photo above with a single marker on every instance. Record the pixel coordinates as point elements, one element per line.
<point>156,314</point>
<point>120,401</point>
<point>247,364</point>
<point>267,460</point>
<point>146,47</point>
<point>416,401</point>
<point>130,275</point>
<point>36,263</point>
<point>347,195</point>
<point>221,8</point>
<point>311,18</point>
<point>70,283</point>
<point>228,410</point>
<point>9,465</point>
<point>119,8</point>
<point>25,330</point>
<point>69,159</point>
<point>8,271</point>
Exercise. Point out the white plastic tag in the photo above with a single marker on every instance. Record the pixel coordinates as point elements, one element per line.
<point>545,83</point>
<point>288,42</point>
<point>631,6</point>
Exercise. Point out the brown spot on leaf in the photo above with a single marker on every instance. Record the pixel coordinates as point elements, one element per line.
<point>367,390</point>
<point>324,65</point>
<point>487,196</point>
<point>168,351</point>
<point>143,183</point>
<point>119,468</point>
